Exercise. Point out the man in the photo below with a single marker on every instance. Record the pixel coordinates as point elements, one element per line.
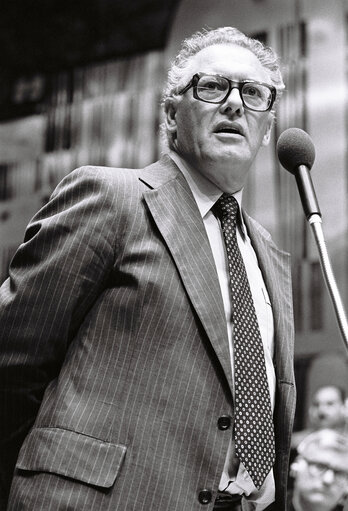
<point>321,472</point>
<point>327,410</point>
<point>118,325</point>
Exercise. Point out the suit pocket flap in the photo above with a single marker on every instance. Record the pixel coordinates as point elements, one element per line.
<point>73,455</point>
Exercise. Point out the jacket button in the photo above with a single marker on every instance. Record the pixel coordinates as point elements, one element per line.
<point>205,496</point>
<point>224,422</point>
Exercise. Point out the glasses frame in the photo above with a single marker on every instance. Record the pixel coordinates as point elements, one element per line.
<point>232,84</point>
<point>340,476</point>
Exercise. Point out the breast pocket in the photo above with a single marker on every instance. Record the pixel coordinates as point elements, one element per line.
<point>73,455</point>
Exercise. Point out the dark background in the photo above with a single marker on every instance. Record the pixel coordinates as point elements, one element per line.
<point>46,36</point>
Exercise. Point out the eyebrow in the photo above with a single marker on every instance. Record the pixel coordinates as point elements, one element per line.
<point>329,467</point>
<point>229,77</point>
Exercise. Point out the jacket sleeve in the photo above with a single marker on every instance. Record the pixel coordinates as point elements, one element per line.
<point>55,276</point>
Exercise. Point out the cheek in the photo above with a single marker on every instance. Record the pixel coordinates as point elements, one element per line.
<point>305,483</point>
<point>186,122</point>
<point>185,134</point>
<point>191,130</point>
<point>258,128</point>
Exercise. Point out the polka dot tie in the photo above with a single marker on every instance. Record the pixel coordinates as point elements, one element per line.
<point>254,431</point>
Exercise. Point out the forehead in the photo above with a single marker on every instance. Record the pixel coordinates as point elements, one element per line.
<point>326,394</point>
<point>229,60</point>
<point>327,455</point>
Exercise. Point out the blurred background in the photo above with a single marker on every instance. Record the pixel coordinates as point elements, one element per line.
<point>81,84</point>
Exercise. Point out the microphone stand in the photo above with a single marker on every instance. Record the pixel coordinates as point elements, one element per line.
<point>296,153</point>
<point>316,224</point>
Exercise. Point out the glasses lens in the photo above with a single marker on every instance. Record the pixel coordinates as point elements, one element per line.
<point>212,88</point>
<point>319,469</point>
<point>316,469</point>
<point>342,479</point>
<point>256,96</point>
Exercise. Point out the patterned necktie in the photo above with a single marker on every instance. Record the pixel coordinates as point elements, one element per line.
<point>254,431</point>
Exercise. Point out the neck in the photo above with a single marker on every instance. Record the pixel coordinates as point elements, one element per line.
<point>219,173</point>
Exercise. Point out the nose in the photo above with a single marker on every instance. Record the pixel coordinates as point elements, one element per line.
<point>322,412</point>
<point>328,477</point>
<point>233,103</point>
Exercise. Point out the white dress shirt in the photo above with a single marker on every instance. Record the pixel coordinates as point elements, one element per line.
<point>235,478</point>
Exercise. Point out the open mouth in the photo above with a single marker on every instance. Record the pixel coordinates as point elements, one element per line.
<point>228,130</point>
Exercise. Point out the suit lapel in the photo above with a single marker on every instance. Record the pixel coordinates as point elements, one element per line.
<point>176,214</point>
<point>275,267</point>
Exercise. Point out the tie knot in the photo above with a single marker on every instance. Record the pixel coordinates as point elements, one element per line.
<point>226,206</point>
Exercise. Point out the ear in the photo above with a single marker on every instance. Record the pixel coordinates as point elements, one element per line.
<point>170,107</point>
<point>297,466</point>
<point>267,135</point>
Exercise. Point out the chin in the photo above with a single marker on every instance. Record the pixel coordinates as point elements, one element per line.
<point>230,160</point>
<point>318,499</point>
<point>233,155</point>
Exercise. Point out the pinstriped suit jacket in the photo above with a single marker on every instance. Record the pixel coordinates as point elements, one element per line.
<point>114,342</point>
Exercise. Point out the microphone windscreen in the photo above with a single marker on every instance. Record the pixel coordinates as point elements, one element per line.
<point>295,148</point>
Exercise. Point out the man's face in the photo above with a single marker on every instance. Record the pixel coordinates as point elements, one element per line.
<point>224,157</point>
<point>327,409</point>
<point>321,492</point>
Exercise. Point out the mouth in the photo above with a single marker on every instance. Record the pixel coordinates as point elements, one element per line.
<point>228,129</point>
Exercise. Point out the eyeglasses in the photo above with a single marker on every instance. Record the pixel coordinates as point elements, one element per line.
<point>255,96</point>
<point>316,469</point>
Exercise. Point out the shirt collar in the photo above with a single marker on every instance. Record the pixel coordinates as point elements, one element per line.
<point>204,191</point>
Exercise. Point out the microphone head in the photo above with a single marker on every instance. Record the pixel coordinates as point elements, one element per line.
<point>295,148</point>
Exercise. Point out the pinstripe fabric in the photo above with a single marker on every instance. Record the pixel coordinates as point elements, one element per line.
<point>113,320</point>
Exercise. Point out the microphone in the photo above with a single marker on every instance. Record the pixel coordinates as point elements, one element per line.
<point>296,153</point>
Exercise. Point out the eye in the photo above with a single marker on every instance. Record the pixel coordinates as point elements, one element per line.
<point>211,85</point>
<point>320,466</point>
<point>251,91</point>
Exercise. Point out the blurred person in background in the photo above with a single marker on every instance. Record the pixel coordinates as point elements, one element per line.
<point>320,473</point>
<point>328,409</point>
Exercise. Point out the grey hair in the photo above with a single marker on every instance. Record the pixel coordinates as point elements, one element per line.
<point>325,438</point>
<point>223,35</point>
